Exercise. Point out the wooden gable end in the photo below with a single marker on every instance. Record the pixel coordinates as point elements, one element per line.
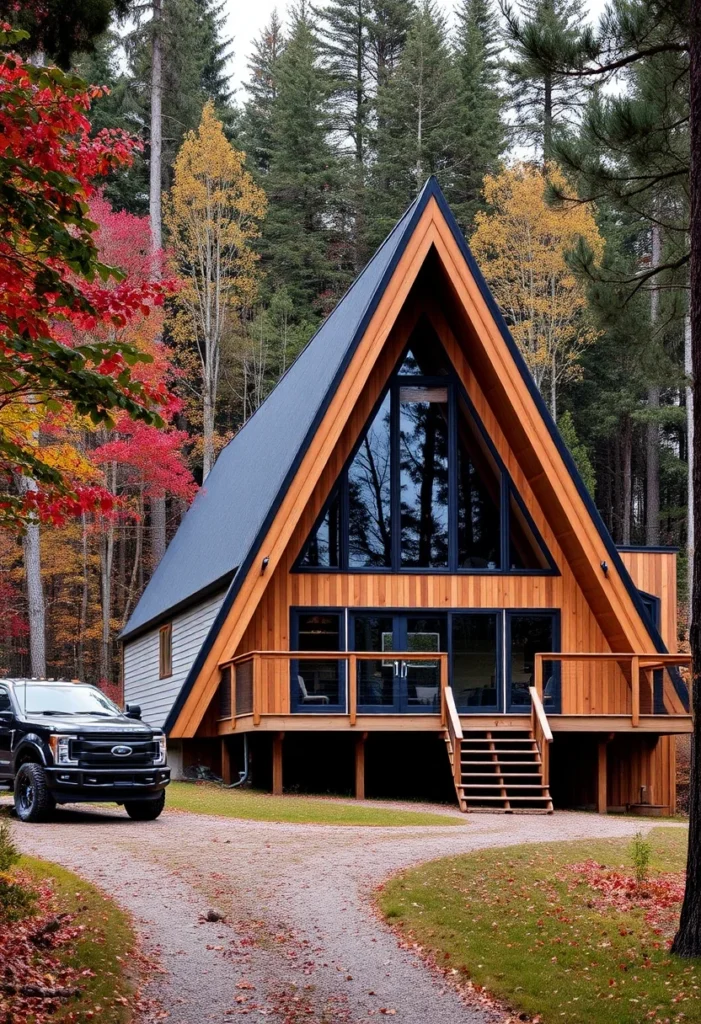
<point>433,279</point>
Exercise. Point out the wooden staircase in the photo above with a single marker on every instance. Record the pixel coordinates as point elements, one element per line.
<point>497,770</point>
<point>500,772</point>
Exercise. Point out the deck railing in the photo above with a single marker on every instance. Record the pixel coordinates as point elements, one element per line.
<point>542,732</point>
<point>260,681</point>
<point>257,671</point>
<point>454,733</point>
<point>632,666</point>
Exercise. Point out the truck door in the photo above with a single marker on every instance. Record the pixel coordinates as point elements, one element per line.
<point>6,726</point>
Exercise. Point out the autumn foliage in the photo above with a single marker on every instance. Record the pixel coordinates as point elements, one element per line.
<point>61,307</point>
<point>521,244</point>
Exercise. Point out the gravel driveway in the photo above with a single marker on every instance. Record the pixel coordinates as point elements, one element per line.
<point>300,941</point>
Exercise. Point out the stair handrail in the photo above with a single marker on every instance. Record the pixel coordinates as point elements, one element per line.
<point>542,733</point>
<point>454,735</point>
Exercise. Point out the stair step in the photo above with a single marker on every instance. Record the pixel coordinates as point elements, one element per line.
<point>499,785</point>
<point>481,764</point>
<point>504,775</point>
<point>501,750</point>
<point>497,739</point>
<point>503,799</point>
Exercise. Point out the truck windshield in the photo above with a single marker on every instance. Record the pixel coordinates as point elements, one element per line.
<point>65,700</point>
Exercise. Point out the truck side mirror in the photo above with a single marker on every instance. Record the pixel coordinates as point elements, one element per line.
<point>133,711</point>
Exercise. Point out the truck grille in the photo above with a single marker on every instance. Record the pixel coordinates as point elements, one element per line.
<point>97,751</point>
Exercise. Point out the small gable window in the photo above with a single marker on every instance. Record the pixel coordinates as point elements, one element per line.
<point>424,488</point>
<point>165,651</point>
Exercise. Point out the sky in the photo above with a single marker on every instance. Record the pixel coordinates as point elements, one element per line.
<point>246,19</point>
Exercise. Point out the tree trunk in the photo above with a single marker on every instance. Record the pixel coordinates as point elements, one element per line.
<point>207,431</point>
<point>106,564</point>
<point>31,545</point>
<point>84,599</point>
<point>134,578</point>
<point>687,941</point>
<point>690,461</point>
<point>158,503</point>
<point>547,118</point>
<point>652,498</point>
<point>627,442</point>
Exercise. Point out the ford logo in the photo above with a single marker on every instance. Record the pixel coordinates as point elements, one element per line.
<point>122,751</point>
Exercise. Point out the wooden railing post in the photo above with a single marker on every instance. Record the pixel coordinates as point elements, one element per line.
<point>538,676</point>
<point>444,685</point>
<point>635,690</point>
<point>353,688</point>
<point>256,688</point>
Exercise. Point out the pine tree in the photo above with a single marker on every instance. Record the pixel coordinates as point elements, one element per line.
<point>545,102</point>
<point>418,114</point>
<point>304,244</point>
<point>477,52</point>
<point>388,26</point>
<point>262,90</point>
<point>191,51</point>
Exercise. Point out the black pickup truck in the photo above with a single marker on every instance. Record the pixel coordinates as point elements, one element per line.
<point>63,742</point>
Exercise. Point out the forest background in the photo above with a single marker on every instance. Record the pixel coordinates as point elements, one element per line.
<point>258,210</point>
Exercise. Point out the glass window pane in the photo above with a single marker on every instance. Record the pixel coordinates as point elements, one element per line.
<point>369,527</point>
<point>319,682</point>
<point>479,498</point>
<point>474,677</point>
<point>375,678</point>
<point>525,550</point>
<point>425,356</point>
<point>423,678</point>
<point>530,634</point>
<point>323,548</point>
<point>423,467</point>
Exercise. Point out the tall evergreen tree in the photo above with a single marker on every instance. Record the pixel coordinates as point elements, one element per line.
<point>478,49</point>
<point>262,90</point>
<point>544,101</point>
<point>304,241</point>
<point>388,27</point>
<point>345,32</point>
<point>418,121</point>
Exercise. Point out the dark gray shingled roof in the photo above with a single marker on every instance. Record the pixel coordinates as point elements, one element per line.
<point>225,518</point>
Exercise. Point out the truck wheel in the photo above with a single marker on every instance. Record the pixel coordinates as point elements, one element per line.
<point>33,801</point>
<point>145,810</point>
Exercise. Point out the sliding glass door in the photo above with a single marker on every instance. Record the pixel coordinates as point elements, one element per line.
<point>390,685</point>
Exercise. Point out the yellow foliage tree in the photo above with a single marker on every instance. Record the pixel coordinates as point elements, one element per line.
<point>521,245</point>
<point>213,214</point>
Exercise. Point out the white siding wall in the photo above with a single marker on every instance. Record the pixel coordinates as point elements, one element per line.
<point>141,683</point>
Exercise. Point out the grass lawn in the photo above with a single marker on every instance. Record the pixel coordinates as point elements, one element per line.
<point>103,949</point>
<point>209,798</point>
<point>527,924</point>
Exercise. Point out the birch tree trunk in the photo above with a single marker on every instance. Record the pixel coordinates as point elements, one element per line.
<point>84,599</point>
<point>158,502</point>
<point>106,564</point>
<point>31,545</point>
<point>627,441</point>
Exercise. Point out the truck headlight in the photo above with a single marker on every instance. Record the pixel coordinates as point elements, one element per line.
<point>61,749</point>
<point>160,757</point>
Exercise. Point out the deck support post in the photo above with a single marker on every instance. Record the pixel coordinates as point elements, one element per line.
<point>601,778</point>
<point>360,766</point>
<point>277,763</point>
<point>225,761</point>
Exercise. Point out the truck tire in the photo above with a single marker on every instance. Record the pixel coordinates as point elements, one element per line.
<point>33,801</point>
<point>145,810</point>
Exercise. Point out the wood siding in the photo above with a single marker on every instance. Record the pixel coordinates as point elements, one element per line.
<point>142,682</point>
<point>656,573</point>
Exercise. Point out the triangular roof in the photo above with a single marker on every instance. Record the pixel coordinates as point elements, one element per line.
<point>223,532</point>
<point>229,512</point>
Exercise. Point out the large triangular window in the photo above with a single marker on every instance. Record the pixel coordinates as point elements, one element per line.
<point>424,488</point>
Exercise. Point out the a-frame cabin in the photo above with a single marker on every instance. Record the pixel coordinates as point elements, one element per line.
<point>395,579</point>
